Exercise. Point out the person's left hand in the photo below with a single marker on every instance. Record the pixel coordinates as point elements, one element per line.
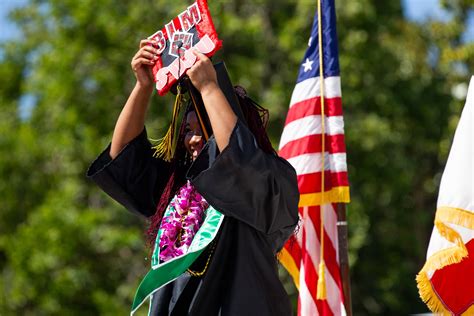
<point>202,73</point>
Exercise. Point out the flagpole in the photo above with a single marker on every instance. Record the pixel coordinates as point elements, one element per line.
<point>344,256</point>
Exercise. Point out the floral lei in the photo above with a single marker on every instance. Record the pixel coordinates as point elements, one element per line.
<point>182,223</point>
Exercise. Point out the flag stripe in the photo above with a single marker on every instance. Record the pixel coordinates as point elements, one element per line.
<point>311,222</point>
<point>312,144</point>
<point>307,268</point>
<point>311,280</point>
<point>311,182</point>
<point>310,88</point>
<point>312,233</point>
<point>311,163</point>
<point>312,106</point>
<point>333,276</point>
<point>336,195</point>
<point>330,226</point>
<point>329,251</point>
<point>306,302</point>
<point>312,238</point>
<point>311,125</point>
<point>290,258</point>
<point>333,293</point>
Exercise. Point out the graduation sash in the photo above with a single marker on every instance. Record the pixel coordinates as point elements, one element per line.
<point>166,272</point>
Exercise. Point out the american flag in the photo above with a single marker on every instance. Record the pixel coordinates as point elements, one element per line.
<point>303,146</point>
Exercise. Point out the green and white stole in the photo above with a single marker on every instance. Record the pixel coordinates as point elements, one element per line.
<point>166,272</point>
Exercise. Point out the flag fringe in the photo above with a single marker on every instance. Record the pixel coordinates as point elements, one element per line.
<point>447,256</point>
<point>335,195</point>
<point>428,295</point>
<point>444,257</point>
<point>455,216</point>
<point>454,254</point>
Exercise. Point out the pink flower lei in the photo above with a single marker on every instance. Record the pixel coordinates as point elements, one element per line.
<point>181,224</point>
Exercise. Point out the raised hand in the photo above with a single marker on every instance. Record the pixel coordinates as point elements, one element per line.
<point>222,117</point>
<point>202,73</point>
<point>132,118</point>
<point>142,62</point>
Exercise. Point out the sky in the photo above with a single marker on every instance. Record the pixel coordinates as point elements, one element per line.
<point>7,29</point>
<point>417,10</point>
<point>421,10</point>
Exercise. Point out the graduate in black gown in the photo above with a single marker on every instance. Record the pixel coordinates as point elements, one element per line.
<point>236,171</point>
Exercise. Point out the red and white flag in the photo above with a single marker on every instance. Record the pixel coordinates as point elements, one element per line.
<point>314,136</point>
<point>446,281</point>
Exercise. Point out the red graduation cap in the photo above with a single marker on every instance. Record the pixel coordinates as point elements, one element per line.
<point>192,28</point>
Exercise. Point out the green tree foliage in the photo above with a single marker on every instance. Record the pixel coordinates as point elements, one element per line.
<point>65,248</point>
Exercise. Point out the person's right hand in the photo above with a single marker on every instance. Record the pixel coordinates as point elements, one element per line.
<point>141,62</point>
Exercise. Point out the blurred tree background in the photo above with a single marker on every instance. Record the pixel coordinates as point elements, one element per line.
<point>67,249</point>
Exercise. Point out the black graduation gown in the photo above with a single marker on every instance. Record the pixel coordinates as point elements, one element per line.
<point>258,194</point>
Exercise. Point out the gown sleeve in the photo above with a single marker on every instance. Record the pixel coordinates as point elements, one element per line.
<point>250,185</point>
<point>134,178</point>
